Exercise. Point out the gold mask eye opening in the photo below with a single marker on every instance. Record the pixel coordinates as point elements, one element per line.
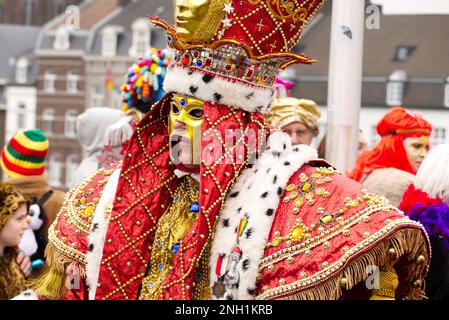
<point>196,113</point>
<point>174,108</point>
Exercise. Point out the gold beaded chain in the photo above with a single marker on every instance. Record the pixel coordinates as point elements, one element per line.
<point>172,228</point>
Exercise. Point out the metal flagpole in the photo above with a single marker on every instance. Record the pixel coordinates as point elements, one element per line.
<point>345,82</point>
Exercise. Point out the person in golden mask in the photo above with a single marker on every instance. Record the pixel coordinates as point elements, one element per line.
<point>201,209</point>
<point>296,117</point>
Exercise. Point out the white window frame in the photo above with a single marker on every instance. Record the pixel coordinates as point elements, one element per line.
<point>72,82</point>
<point>55,167</point>
<point>70,123</point>
<point>62,39</point>
<point>439,135</point>
<point>109,42</point>
<point>395,93</point>
<point>48,119</point>
<point>49,82</point>
<point>21,116</point>
<point>22,70</point>
<point>141,38</point>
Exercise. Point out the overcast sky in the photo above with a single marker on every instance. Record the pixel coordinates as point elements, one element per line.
<point>414,6</point>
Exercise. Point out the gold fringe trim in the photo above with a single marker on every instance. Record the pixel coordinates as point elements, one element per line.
<point>59,261</point>
<point>51,285</point>
<point>409,241</point>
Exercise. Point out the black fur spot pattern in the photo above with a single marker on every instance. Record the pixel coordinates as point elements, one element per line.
<point>245,265</point>
<point>193,89</point>
<point>234,195</point>
<point>217,97</point>
<point>251,291</point>
<point>280,191</point>
<point>207,78</point>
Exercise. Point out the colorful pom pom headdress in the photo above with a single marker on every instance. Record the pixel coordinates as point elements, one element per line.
<point>144,80</point>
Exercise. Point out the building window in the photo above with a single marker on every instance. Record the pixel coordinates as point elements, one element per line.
<point>395,91</point>
<point>72,164</point>
<point>22,70</point>
<point>97,96</point>
<point>55,167</point>
<point>62,39</point>
<point>109,42</point>
<point>439,135</point>
<point>48,119</point>
<point>141,38</point>
<point>446,93</point>
<point>70,123</point>
<point>395,88</point>
<point>403,52</point>
<point>72,83</point>
<point>21,117</point>
<point>49,82</point>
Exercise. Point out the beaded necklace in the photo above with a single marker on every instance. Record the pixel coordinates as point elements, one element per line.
<point>171,229</point>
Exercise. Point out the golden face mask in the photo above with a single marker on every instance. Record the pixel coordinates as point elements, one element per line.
<point>186,119</point>
<point>198,20</point>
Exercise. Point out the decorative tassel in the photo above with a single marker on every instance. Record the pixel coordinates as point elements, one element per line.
<point>51,285</point>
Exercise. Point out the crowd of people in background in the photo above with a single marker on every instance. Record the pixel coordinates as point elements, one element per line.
<point>400,168</point>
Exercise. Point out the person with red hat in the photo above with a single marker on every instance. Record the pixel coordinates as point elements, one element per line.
<point>390,167</point>
<point>200,208</point>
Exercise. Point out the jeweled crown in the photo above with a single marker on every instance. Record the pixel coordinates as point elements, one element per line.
<point>251,43</point>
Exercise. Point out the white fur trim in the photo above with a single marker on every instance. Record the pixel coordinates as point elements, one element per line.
<point>26,295</point>
<point>97,236</point>
<point>433,174</point>
<point>218,90</point>
<point>256,195</point>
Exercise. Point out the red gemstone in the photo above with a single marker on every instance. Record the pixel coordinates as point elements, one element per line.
<point>185,60</point>
<point>196,54</point>
<point>249,73</point>
<point>208,62</point>
<point>228,67</point>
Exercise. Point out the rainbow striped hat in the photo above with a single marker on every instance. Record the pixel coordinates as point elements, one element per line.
<point>25,154</point>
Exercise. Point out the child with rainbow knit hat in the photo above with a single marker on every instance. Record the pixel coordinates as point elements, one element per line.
<point>23,161</point>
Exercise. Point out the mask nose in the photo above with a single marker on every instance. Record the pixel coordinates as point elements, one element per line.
<point>179,125</point>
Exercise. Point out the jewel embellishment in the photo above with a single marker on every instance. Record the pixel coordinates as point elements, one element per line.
<point>228,8</point>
